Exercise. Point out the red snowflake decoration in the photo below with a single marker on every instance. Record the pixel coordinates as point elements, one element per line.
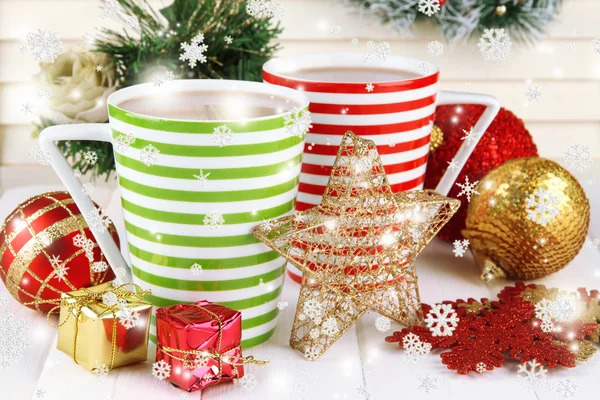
<point>488,332</point>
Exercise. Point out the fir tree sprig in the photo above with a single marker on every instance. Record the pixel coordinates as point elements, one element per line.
<point>154,46</point>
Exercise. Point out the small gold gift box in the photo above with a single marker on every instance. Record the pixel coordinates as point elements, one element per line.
<point>96,333</point>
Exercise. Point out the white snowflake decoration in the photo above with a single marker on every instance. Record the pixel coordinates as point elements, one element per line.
<point>578,157</point>
<point>542,207</point>
<point>45,46</point>
<point>470,136</point>
<point>314,333</point>
<point>566,388</point>
<point>335,29</point>
<point>40,393</point>
<point>354,41</point>
<point>441,320</point>
<point>194,52</point>
<point>410,341</point>
<point>428,383</point>
<point>460,247</point>
<point>101,371</point>
<point>27,108</point>
<point>330,327</point>
<point>161,370</point>
<point>123,142</point>
<point>99,266</point>
<point>99,68</point>
<point>494,44</point>
<point>452,165</point>
<point>547,325</point>
<point>157,80</point>
<point>222,135</point>
<point>543,309</point>
<point>98,220</point>
<point>297,122</point>
<point>196,269</point>
<point>383,51</point>
<point>435,48</point>
<point>369,87</point>
<point>90,157</point>
<point>481,367</point>
<point>282,305</point>
<point>248,382</point>
<point>228,39</point>
<point>76,173</point>
<point>39,155</point>
<point>13,337</point>
<point>429,7</point>
<point>421,349</point>
<point>79,240</point>
<point>202,178</point>
<point>467,188</point>
<point>168,76</point>
<point>149,155</point>
<point>55,260</point>
<point>532,372</point>
<point>362,390</point>
<point>423,68</point>
<point>3,299</point>
<point>533,93</point>
<point>128,317</point>
<point>563,309</point>
<point>311,353</point>
<point>111,8</point>
<point>87,188</point>
<point>110,299</point>
<point>214,220</point>
<point>133,21</point>
<point>60,271</point>
<point>596,44</point>
<point>383,324</point>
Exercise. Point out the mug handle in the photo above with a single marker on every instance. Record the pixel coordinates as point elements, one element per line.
<point>464,152</point>
<point>97,132</point>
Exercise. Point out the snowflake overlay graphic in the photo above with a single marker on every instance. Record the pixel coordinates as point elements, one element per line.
<point>128,317</point>
<point>282,305</point>
<point>123,142</point>
<point>214,220</point>
<point>533,93</point>
<point>362,390</point>
<point>202,178</point>
<point>161,370</point>
<point>194,52</point>
<point>383,51</point>
<point>369,87</point>
<point>470,136</point>
<point>27,108</point>
<point>13,336</point>
<point>99,266</point>
<point>45,46</point>
<point>566,388</point>
<point>40,393</point>
<point>196,269</point>
<point>429,7</point>
<point>39,155</point>
<point>60,271</point>
<point>435,48</point>
<point>532,373</point>
<point>542,207</point>
<point>111,8</point>
<point>101,371</point>
<point>297,122</point>
<point>248,382</point>
<point>87,188</point>
<point>90,157</point>
<point>383,324</point>
<point>578,157</point>
<point>460,247</point>
<point>263,8</point>
<point>149,155</point>
<point>424,68</point>
<point>428,383</point>
<point>222,135</point>
<point>481,367</point>
<point>494,44</point>
<point>467,188</point>
<point>98,220</point>
<point>596,44</point>
<point>110,299</point>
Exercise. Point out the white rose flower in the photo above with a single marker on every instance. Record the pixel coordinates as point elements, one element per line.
<point>77,90</point>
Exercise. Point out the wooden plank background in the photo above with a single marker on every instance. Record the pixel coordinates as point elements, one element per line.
<point>567,112</point>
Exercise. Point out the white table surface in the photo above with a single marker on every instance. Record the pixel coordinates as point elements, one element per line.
<point>361,358</point>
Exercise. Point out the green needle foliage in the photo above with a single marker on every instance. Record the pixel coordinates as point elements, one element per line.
<point>154,46</point>
<point>458,20</point>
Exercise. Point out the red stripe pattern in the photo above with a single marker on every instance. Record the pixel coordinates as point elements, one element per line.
<point>397,115</point>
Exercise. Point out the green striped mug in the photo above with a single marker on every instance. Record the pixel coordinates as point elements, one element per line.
<point>191,192</point>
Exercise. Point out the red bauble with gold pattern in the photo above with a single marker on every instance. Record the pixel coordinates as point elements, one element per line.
<point>506,139</point>
<point>39,231</point>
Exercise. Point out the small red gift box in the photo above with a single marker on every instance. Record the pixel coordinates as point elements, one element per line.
<point>201,343</point>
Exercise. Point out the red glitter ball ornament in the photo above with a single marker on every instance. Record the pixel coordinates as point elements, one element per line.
<point>505,139</point>
<point>37,241</point>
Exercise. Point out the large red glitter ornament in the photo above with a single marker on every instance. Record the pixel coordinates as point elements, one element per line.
<point>488,332</point>
<point>39,259</point>
<point>505,139</point>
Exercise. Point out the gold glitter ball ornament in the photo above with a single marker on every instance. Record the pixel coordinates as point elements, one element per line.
<point>357,249</point>
<point>529,220</point>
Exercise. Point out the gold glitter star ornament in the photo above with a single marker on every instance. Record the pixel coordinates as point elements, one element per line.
<point>356,249</point>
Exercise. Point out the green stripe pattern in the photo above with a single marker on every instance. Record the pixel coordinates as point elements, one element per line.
<point>168,211</point>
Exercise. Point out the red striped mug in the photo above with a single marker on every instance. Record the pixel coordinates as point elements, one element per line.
<point>396,114</point>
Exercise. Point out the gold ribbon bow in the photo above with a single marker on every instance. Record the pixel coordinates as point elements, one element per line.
<point>193,359</point>
<point>76,303</point>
